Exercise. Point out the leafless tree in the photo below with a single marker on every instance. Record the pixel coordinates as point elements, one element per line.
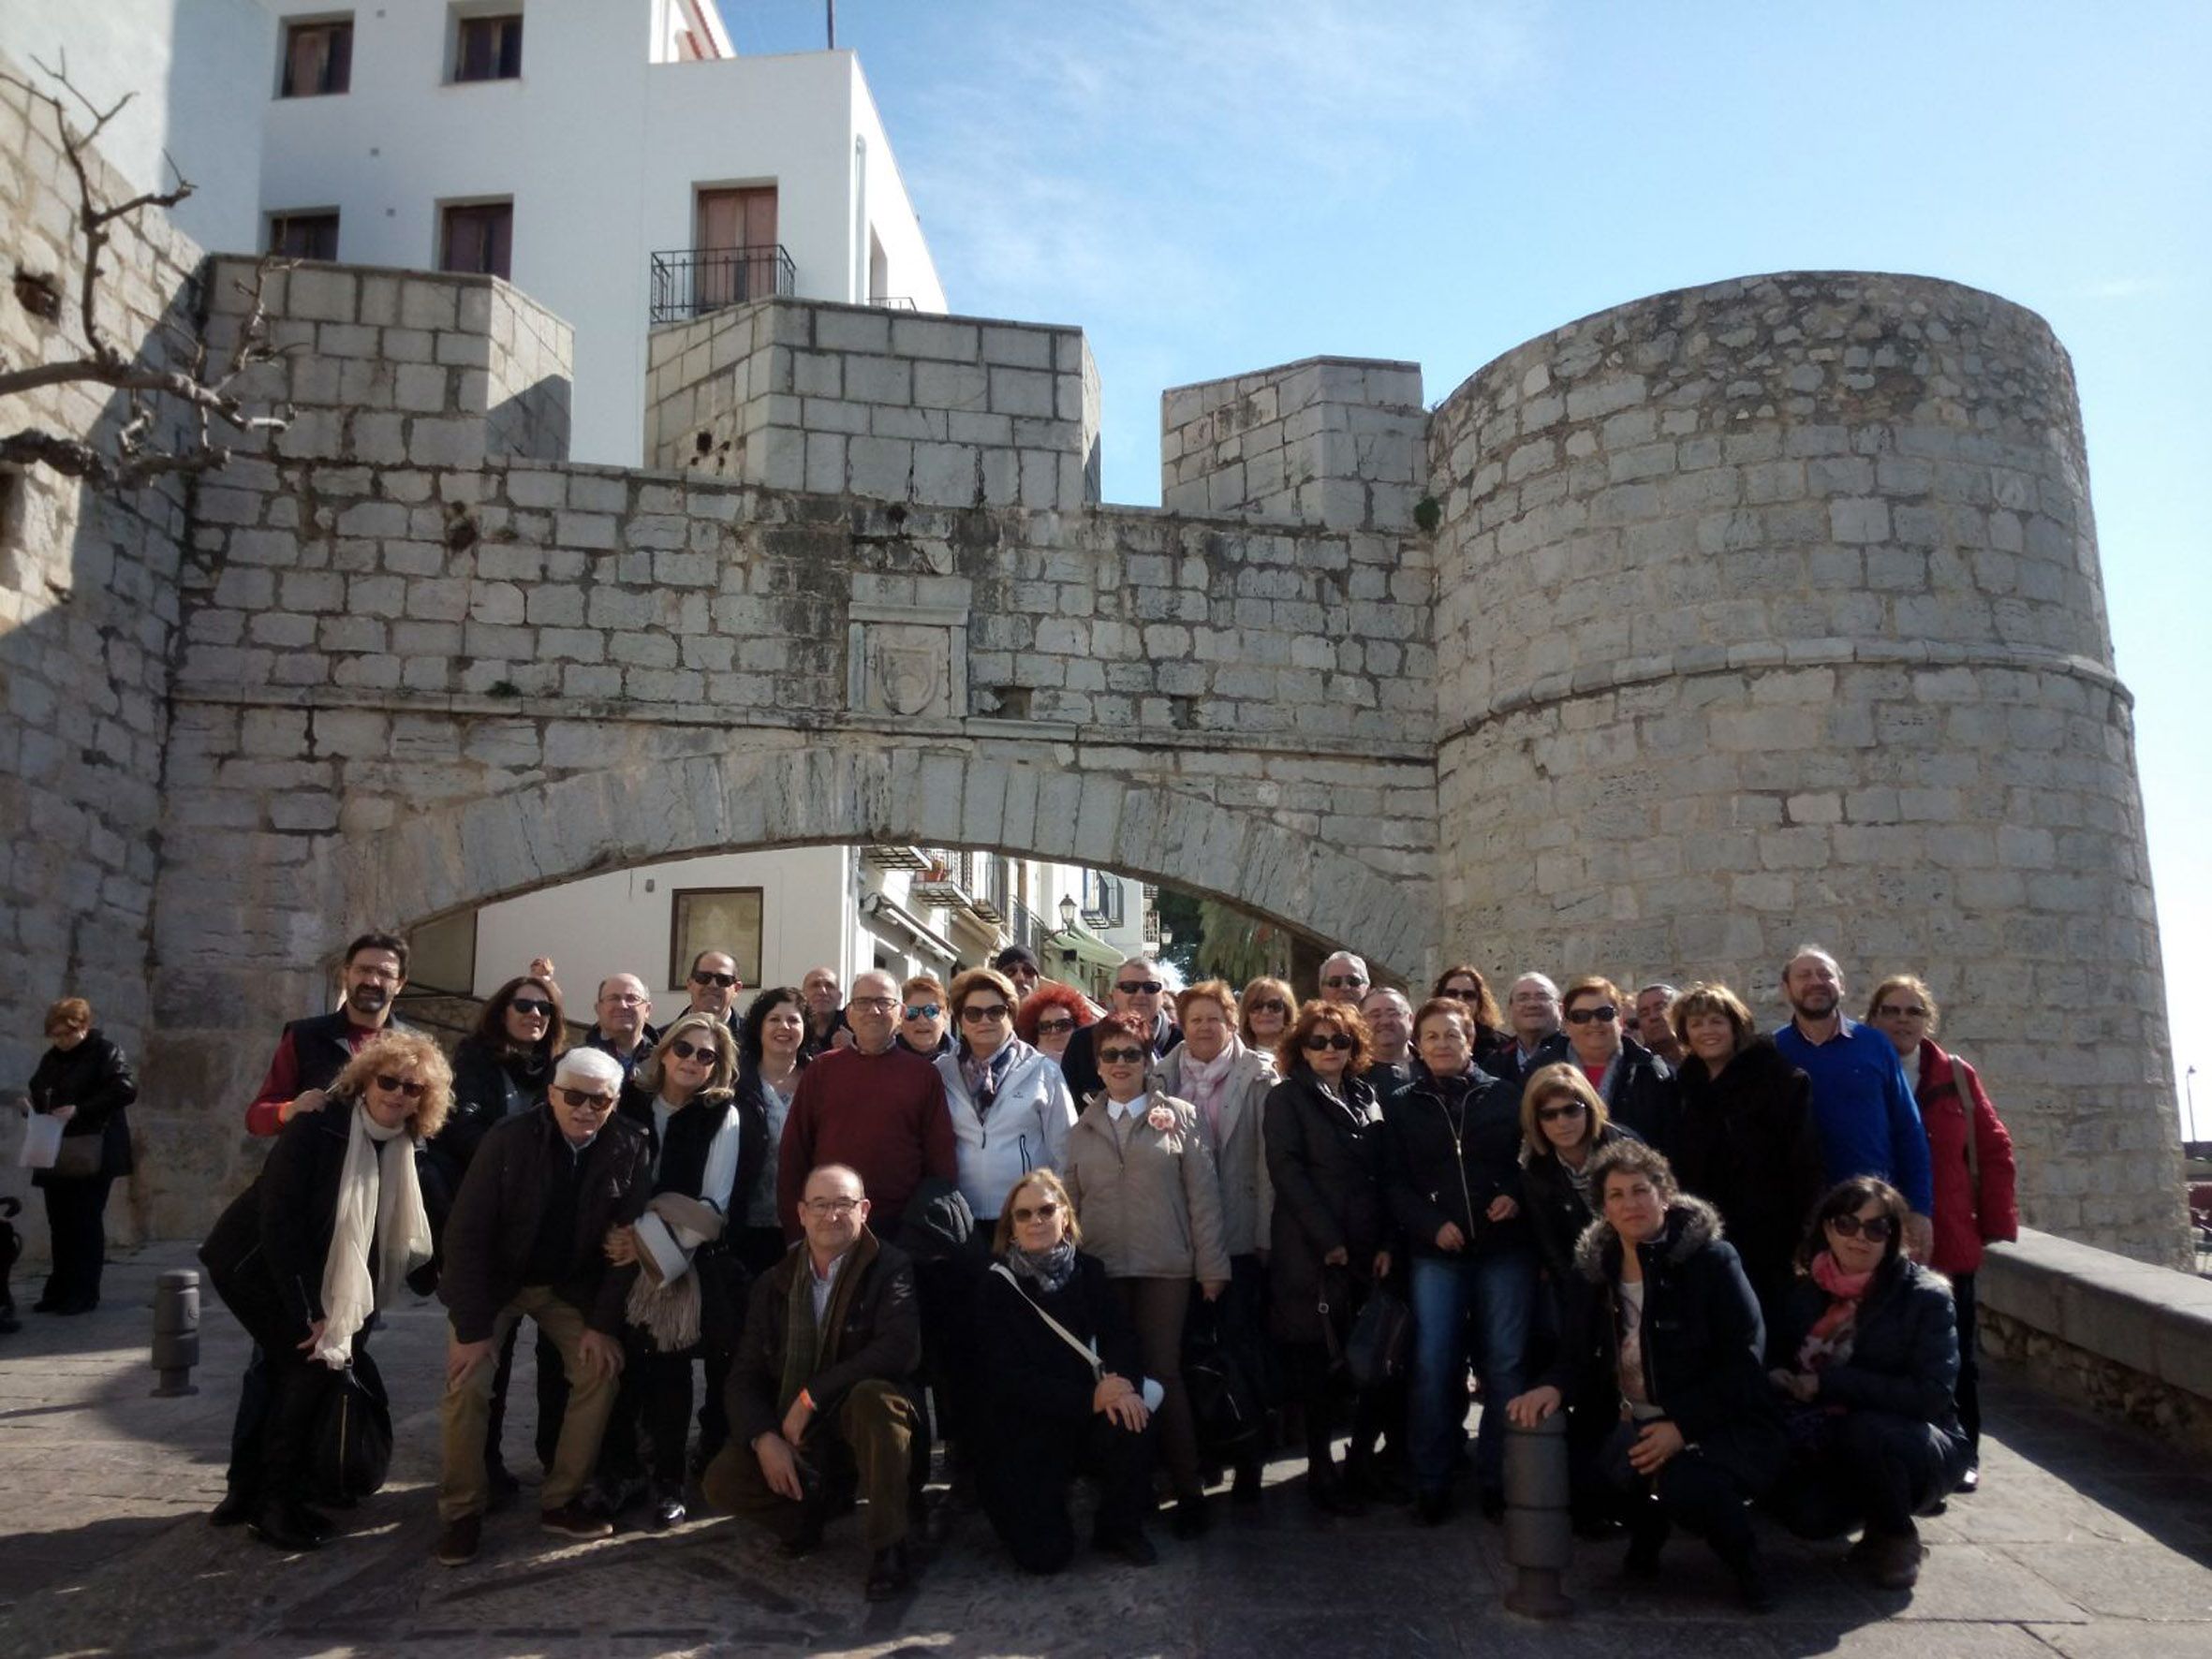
<point>203,392</point>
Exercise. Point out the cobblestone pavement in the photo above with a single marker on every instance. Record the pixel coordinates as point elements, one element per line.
<point>2086,1542</point>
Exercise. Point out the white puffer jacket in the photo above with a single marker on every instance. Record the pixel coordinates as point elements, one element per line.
<point>1026,1128</point>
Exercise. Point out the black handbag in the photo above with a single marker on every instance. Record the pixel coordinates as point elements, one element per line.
<point>1374,1351</point>
<point>79,1157</point>
<point>1219,1377</point>
<point>352,1445</point>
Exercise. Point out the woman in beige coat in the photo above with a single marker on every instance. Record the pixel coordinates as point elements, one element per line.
<point>1146,1190</point>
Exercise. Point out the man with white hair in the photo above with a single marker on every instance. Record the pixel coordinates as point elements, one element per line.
<point>1139,988</point>
<point>527,1235</point>
<point>1532,1011</point>
<point>1653,1029</point>
<point>1344,979</point>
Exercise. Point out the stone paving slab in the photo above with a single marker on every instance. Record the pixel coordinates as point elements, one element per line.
<point>2087,1542</point>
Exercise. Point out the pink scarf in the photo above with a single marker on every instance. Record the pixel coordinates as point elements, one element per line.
<point>1204,1081</point>
<point>1829,1341</point>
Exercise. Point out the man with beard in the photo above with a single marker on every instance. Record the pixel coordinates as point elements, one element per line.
<point>309,1056</point>
<point>313,1051</point>
<point>1863,1104</point>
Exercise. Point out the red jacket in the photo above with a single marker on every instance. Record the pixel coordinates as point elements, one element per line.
<point>1966,1218</point>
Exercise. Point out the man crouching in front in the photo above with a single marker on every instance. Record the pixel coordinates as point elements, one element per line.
<point>528,1234</point>
<point>821,1397</point>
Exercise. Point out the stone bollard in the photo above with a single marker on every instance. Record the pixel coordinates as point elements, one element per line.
<point>1539,1530</point>
<point>176,1332</point>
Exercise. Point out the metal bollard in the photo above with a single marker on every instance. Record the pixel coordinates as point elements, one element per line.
<point>176,1332</point>
<point>1539,1529</point>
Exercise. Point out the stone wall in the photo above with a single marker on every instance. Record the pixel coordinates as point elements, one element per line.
<point>1770,611</point>
<point>948,411</point>
<point>1327,440</point>
<point>88,603</point>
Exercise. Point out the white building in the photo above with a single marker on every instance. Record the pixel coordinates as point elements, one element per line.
<point>906,910</point>
<point>576,147</point>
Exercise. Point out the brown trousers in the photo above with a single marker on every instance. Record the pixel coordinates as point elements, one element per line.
<point>873,1432</point>
<point>464,1489</point>
<point>1157,1307</point>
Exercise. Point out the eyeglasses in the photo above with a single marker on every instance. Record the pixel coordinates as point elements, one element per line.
<point>532,1005</point>
<point>1138,986</point>
<point>1044,1212</point>
<point>584,1100</point>
<point>1877,1230</point>
<point>1343,982</point>
<point>1054,1027</point>
<point>1603,1013</point>
<point>923,1011</point>
<point>988,1014</point>
<point>391,1085</point>
<point>1317,1040</point>
<point>874,1004</point>
<point>1901,1011</point>
<point>1269,1009</point>
<point>684,1050</point>
<point>1466,995</point>
<point>724,980</point>
<point>832,1205</point>
<point>1552,1114</point>
<point>624,999</point>
<point>1121,1056</point>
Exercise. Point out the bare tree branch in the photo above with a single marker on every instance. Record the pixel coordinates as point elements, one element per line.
<point>102,363</point>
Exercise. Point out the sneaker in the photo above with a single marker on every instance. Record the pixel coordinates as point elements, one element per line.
<point>457,1544</point>
<point>573,1521</point>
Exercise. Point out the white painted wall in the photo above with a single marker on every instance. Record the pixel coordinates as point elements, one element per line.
<point>603,152</point>
<point>198,71</point>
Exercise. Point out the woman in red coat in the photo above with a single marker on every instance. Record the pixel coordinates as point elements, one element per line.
<point>1973,1157</point>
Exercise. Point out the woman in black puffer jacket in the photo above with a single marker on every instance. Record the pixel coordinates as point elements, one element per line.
<point>84,1080</point>
<point>1865,1356</point>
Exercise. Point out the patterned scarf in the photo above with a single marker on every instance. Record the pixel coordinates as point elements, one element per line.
<point>1829,1341</point>
<point>1048,1270</point>
<point>983,1077</point>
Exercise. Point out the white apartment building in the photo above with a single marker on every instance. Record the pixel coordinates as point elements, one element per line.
<point>907,910</point>
<point>614,159</point>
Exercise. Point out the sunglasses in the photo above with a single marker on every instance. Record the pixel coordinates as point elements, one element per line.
<point>1343,982</point>
<point>1138,986</point>
<point>1121,1056</point>
<point>1601,1013</point>
<point>1315,1041</point>
<point>391,1085</point>
<point>1851,1227</point>
<point>724,980</point>
<point>684,1050</point>
<point>1054,1027</point>
<point>584,1100</point>
<point>532,1005</point>
<point>1044,1212</point>
<point>1470,994</point>
<point>923,1011</point>
<point>990,1014</point>
<point>1901,1011</point>
<point>1270,1008</point>
<point>1552,1114</point>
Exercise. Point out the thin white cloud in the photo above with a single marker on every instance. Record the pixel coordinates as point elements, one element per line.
<point>2125,288</point>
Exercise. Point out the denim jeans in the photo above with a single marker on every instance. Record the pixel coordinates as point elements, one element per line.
<point>1480,1304</point>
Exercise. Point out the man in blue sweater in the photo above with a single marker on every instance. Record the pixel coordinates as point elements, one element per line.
<point>1863,1104</point>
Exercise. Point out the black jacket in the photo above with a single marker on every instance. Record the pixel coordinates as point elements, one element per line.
<point>97,1079</point>
<point>757,1177</point>
<point>648,1039</point>
<point>1703,1340</point>
<point>1032,1381</point>
<point>1551,1051</point>
<point>319,1046</point>
<point>265,1257</point>
<point>880,1337</point>
<point>1903,1344</point>
<point>1645,1098</point>
<point>1079,1062</point>
<point>1555,1211</point>
<point>1325,1162</point>
<point>1746,1143</point>
<point>1448,1160</point>
<point>487,1088</point>
<point>494,1221</point>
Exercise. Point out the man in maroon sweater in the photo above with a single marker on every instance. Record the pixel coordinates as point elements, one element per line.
<point>876,1106</point>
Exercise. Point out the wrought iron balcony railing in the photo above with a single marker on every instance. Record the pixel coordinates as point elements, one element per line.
<point>691,281</point>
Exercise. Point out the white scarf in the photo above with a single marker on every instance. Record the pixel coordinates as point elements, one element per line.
<point>1204,1079</point>
<point>379,1197</point>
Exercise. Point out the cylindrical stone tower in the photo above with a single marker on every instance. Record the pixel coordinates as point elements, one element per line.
<point>1770,611</point>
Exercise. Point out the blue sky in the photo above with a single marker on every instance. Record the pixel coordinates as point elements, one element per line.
<point>1209,187</point>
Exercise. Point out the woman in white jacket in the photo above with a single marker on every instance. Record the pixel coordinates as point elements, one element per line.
<point>1010,1107</point>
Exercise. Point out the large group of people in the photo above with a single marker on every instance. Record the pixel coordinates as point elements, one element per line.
<point>776,1247</point>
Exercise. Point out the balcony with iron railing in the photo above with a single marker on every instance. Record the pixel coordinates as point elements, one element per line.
<point>691,281</point>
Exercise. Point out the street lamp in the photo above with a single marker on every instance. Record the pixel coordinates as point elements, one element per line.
<point>1067,913</point>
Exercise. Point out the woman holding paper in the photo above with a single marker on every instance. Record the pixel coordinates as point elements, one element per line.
<point>86,1084</point>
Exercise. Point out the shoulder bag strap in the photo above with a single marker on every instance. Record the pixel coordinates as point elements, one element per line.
<point>1089,1358</point>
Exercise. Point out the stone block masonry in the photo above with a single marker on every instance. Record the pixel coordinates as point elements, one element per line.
<point>945,411</point>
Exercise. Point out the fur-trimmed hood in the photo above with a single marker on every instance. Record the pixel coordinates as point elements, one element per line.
<point>1691,1225</point>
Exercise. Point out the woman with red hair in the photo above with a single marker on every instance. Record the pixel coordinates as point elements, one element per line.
<point>1051,1014</point>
